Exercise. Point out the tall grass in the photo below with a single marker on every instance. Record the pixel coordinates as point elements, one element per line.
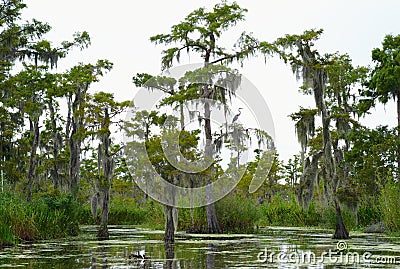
<point>285,211</point>
<point>45,218</point>
<point>125,211</point>
<point>389,203</point>
<point>55,217</point>
<point>235,215</point>
<point>281,211</point>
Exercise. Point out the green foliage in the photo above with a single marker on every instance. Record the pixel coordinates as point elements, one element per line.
<point>200,32</point>
<point>46,217</point>
<point>235,215</point>
<point>32,97</point>
<point>197,224</point>
<point>6,235</point>
<point>328,217</point>
<point>55,217</point>
<point>389,204</point>
<point>385,78</point>
<point>372,158</point>
<point>369,212</point>
<point>281,211</point>
<point>126,211</point>
<point>284,210</point>
<point>154,215</point>
<point>140,79</point>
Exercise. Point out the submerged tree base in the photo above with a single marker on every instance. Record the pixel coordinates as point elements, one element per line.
<point>169,235</point>
<point>103,233</point>
<point>341,232</point>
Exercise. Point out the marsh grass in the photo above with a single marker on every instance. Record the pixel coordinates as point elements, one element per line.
<point>235,215</point>
<point>286,212</point>
<point>45,217</point>
<point>148,214</point>
<point>389,203</point>
<point>125,211</point>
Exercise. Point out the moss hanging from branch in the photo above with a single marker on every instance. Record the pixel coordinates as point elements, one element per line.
<point>305,125</point>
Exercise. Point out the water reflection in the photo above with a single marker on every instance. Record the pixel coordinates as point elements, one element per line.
<point>170,262</point>
<point>210,257</point>
<point>130,247</point>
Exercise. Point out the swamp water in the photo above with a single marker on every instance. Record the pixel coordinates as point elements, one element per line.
<point>275,247</point>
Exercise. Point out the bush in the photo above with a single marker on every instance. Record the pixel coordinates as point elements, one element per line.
<point>154,215</point>
<point>15,217</point>
<point>328,217</point>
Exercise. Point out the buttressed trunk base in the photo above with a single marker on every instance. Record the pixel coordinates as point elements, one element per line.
<point>169,235</point>
<point>341,231</point>
<point>212,222</point>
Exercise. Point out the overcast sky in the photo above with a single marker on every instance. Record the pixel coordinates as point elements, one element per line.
<point>120,32</point>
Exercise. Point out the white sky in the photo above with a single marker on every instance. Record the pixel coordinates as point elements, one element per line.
<point>120,32</point>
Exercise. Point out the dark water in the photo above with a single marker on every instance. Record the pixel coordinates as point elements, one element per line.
<point>293,248</point>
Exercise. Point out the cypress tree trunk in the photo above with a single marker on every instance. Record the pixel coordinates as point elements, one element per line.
<point>398,135</point>
<point>106,169</point>
<point>74,162</point>
<point>330,164</point>
<point>75,141</point>
<point>210,258</point>
<point>171,215</point>
<point>94,204</point>
<point>34,126</point>
<point>398,110</point>
<point>169,235</point>
<point>312,69</point>
<point>212,222</point>
<point>170,255</point>
<point>56,142</point>
<point>341,231</point>
<point>103,229</point>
